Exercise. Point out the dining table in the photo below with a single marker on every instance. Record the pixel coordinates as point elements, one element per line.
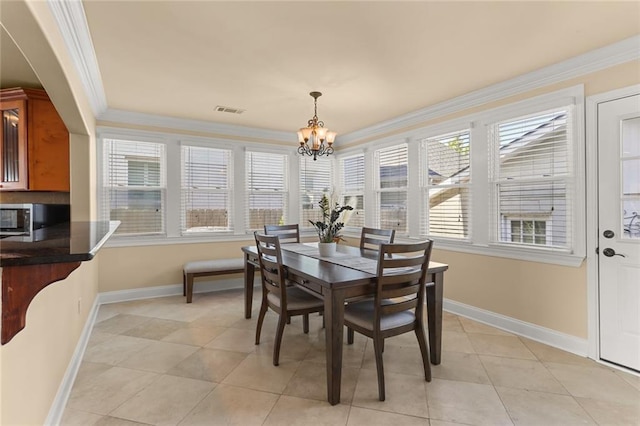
<point>349,273</point>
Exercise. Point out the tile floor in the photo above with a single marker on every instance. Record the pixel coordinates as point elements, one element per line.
<point>163,362</point>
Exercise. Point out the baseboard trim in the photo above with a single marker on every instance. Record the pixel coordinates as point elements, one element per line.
<point>64,390</point>
<point>550,337</point>
<point>168,290</point>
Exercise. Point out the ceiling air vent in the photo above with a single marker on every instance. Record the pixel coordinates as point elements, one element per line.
<point>229,110</point>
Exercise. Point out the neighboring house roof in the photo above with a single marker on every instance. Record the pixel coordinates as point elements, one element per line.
<point>511,148</point>
<point>508,149</point>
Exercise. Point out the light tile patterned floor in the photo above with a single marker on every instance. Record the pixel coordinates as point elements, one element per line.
<point>164,362</point>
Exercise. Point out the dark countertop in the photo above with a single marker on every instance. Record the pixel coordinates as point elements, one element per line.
<point>68,242</point>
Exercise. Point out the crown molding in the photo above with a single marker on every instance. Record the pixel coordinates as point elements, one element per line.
<point>595,60</point>
<point>71,20</point>
<point>72,23</point>
<point>184,124</point>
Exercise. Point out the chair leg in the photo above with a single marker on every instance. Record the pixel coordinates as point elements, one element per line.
<point>377,348</point>
<point>288,320</point>
<point>349,336</point>
<point>305,323</point>
<point>189,287</point>
<point>263,311</point>
<point>424,350</point>
<point>276,347</point>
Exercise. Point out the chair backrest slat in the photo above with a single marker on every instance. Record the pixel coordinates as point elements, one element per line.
<point>401,276</point>
<point>391,293</point>
<point>371,238</point>
<point>271,268</point>
<point>286,233</point>
<point>402,305</point>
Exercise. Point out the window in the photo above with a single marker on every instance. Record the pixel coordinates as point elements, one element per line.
<point>446,179</point>
<point>528,231</point>
<point>352,172</point>
<point>315,180</point>
<point>134,186</point>
<point>517,193</point>
<point>392,176</point>
<point>267,185</point>
<point>206,190</point>
<point>532,179</point>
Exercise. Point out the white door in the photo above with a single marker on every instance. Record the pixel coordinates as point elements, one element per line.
<point>619,230</point>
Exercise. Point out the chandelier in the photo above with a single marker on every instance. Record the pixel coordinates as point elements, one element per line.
<point>313,137</point>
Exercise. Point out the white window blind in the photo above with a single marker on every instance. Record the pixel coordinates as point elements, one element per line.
<point>315,180</point>
<point>134,186</point>
<point>352,187</point>
<point>533,180</point>
<point>446,180</point>
<point>392,174</point>
<point>206,190</point>
<point>267,197</point>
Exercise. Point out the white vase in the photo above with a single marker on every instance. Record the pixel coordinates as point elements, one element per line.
<point>327,249</point>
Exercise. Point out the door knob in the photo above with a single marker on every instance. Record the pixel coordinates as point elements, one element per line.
<point>609,252</point>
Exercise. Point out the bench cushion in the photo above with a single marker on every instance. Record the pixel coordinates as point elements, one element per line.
<point>218,265</point>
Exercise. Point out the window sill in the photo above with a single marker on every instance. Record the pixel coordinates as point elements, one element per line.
<point>507,252</point>
<point>511,252</point>
<point>495,250</point>
<point>161,240</point>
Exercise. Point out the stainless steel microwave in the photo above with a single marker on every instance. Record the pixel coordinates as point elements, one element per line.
<point>25,220</point>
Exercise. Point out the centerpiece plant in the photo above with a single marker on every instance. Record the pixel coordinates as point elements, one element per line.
<point>329,227</point>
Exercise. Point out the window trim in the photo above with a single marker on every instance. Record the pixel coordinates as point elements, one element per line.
<point>173,143</point>
<point>229,191</point>
<point>378,190</point>
<point>479,239</point>
<point>103,213</point>
<point>287,207</point>
<point>304,225</point>
<point>344,193</point>
<point>480,242</point>
<point>425,187</point>
<point>573,98</point>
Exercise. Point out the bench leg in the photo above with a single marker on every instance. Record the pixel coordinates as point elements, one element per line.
<point>184,284</point>
<point>189,287</point>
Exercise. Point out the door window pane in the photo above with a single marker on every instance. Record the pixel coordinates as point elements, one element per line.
<point>630,162</point>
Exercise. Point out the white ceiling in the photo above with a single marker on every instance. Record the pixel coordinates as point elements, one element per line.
<point>373,61</point>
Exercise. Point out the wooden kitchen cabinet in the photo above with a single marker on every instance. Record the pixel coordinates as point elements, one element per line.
<point>34,143</point>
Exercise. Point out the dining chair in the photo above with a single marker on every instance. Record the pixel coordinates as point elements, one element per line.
<point>371,238</point>
<point>285,300</point>
<point>398,305</point>
<point>287,233</point>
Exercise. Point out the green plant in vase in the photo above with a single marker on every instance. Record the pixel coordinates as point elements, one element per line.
<point>329,228</point>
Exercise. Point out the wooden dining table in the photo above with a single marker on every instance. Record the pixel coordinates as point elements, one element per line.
<point>335,283</point>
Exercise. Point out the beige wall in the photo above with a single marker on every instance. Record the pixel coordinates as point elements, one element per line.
<point>33,363</point>
<point>35,360</point>
<point>138,267</point>
<point>550,296</point>
<point>546,295</point>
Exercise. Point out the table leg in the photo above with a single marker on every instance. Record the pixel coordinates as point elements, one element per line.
<point>249,273</point>
<point>434,315</point>
<point>334,324</point>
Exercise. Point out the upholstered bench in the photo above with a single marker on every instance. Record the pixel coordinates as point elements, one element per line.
<point>203,268</point>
